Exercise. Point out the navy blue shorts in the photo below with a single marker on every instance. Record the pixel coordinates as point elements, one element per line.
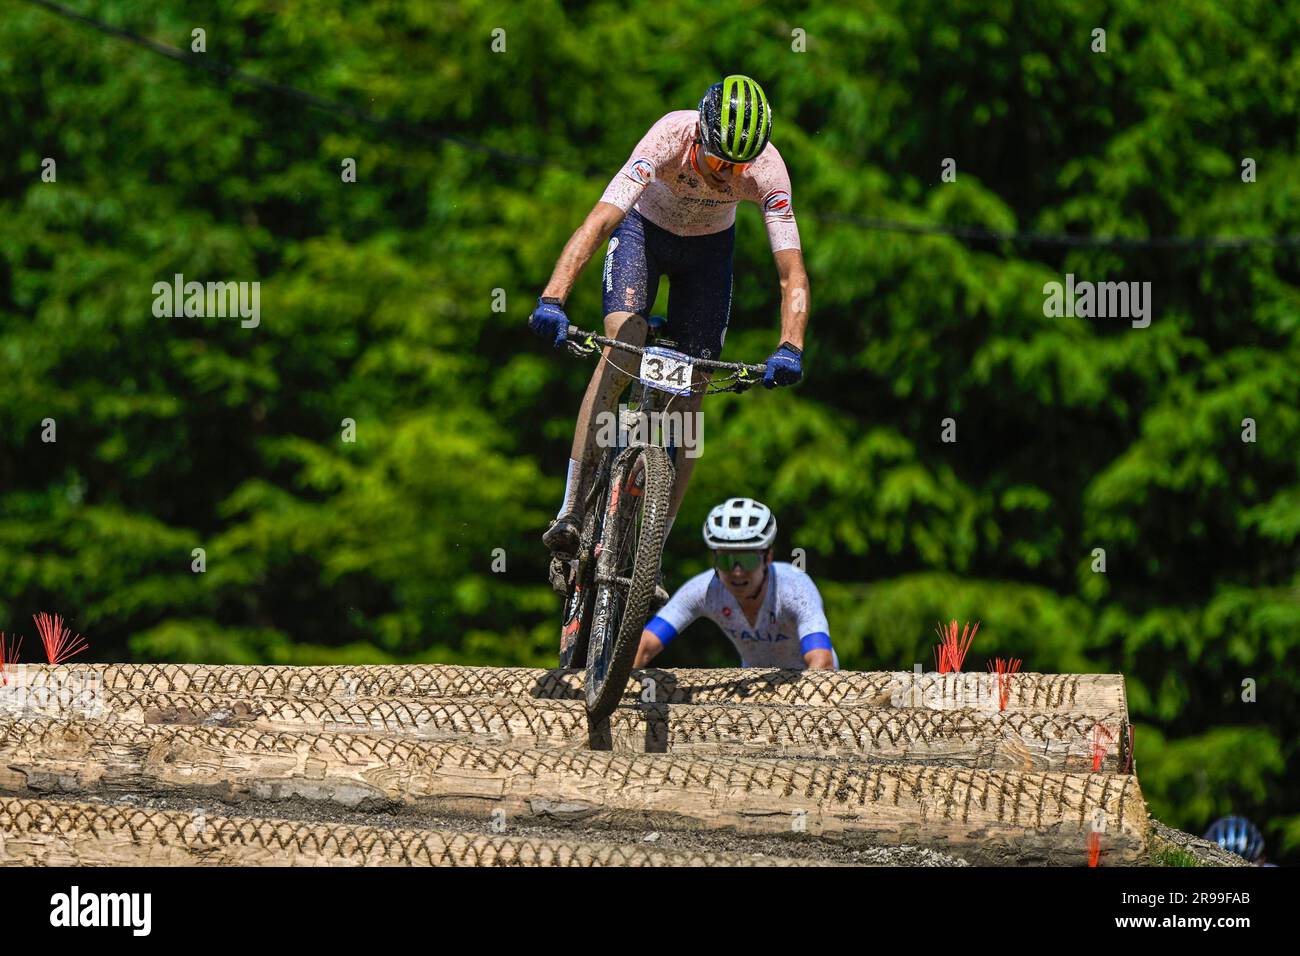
<point>698,269</point>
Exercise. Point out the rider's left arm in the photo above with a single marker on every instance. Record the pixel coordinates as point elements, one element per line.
<point>814,629</point>
<point>795,296</point>
<point>650,648</point>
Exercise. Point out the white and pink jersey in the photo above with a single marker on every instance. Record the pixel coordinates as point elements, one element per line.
<point>666,188</point>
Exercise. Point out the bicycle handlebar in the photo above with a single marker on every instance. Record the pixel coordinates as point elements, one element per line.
<point>578,335</point>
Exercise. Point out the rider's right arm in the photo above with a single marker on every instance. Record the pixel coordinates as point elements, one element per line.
<point>681,610</point>
<point>590,236</point>
<point>652,153</point>
<point>657,149</point>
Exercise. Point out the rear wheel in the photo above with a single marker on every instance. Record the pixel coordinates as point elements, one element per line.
<point>630,545</point>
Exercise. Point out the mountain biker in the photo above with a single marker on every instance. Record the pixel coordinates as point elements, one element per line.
<point>771,611</point>
<point>670,212</point>
<point>1237,835</point>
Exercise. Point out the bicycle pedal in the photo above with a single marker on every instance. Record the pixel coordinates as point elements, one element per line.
<point>561,575</point>
<point>660,598</point>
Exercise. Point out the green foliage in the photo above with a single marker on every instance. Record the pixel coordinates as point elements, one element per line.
<point>1208,771</point>
<point>1169,855</point>
<point>377,308</point>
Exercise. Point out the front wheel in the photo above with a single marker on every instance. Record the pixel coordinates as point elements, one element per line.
<point>627,569</point>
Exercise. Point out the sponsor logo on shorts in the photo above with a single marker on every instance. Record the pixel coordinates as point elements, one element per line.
<point>777,203</point>
<point>641,171</point>
<point>609,264</point>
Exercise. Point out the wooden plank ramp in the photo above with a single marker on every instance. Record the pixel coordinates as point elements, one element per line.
<point>1041,693</point>
<point>1013,740</point>
<point>56,833</point>
<point>1035,771</point>
<point>990,816</point>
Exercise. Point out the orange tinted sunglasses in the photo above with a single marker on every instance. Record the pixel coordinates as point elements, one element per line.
<point>719,165</point>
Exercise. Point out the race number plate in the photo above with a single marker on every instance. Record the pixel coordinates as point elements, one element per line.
<point>666,370</point>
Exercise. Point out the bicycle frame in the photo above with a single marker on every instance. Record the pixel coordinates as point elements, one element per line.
<point>599,596</point>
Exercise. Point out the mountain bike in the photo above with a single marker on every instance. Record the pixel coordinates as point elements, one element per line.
<point>609,585</point>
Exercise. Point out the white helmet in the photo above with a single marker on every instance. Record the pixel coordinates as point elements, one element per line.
<point>740,524</point>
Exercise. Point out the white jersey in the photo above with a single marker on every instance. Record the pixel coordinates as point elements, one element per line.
<point>662,182</point>
<point>790,623</point>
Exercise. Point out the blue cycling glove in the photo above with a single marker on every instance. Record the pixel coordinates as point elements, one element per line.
<point>784,366</point>
<point>549,321</point>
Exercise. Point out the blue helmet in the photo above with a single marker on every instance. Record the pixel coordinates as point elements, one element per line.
<point>1237,835</point>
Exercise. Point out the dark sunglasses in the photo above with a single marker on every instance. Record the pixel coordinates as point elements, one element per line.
<point>745,560</point>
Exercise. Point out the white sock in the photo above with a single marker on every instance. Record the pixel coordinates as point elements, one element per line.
<point>571,480</point>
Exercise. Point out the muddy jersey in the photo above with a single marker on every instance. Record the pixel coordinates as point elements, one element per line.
<point>790,623</point>
<point>661,181</point>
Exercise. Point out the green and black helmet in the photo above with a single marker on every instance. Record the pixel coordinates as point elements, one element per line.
<point>735,119</point>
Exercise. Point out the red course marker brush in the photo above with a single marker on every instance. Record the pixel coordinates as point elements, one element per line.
<point>951,653</point>
<point>1004,670</point>
<point>58,640</point>
<point>8,656</point>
